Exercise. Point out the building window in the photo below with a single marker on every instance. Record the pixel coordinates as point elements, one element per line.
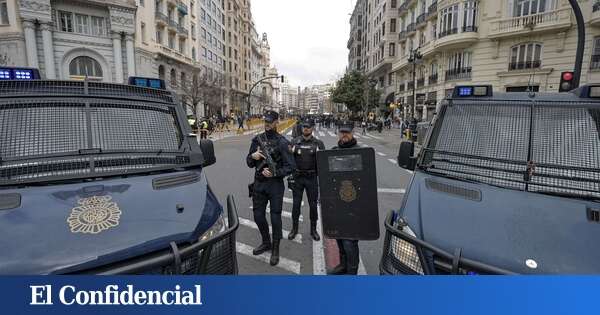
<point>66,21</point>
<point>85,67</point>
<point>142,3</point>
<point>393,26</point>
<point>528,7</point>
<point>595,64</point>
<point>98,26</point>
<point>81,24</point>
<point>171,41</point>
<point>3,13</point>
<point>173,78</point>
<point>194,53</point>
<point>459,66</point>
<point>159,37</point>
<point>449,21</point>
<point>143,31</point>
<point>525,56</point>
<point>470,16</point>
<point>394,4</point>
<point>392,49</point>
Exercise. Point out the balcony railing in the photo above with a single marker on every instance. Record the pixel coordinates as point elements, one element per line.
<point>182,30</point>
<point>432,10</point>
<point>403,6</point>
<point>433,79</point>
<point>596,6</point>
<point>469,28</point>
<point>458,74</point>
<point>595,64</point>
<point>421,18</point>
<point>447,32</point>
<point>412,27</point>
<point>172,24</point>
<point>161,17</point>
<point>420,82</point>
<point>402,35</point>
<point>560,18</point>
<point>525,65</point>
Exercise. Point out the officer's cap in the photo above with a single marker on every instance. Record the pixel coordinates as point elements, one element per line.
<point>308,123</point>
<point>347,126</point>
<point>271,116</point>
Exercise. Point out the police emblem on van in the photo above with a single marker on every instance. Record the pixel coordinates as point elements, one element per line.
<point>94,215</point>
<point>347,191</point>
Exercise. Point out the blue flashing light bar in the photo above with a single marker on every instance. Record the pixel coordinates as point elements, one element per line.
<point>473,91</point>
<point>19,74</point>
<point>148,82</point>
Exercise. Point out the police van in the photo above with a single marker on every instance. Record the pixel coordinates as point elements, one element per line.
<point>100,178</point>
<point>505,183</point>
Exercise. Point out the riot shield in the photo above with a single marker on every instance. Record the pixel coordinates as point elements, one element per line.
<point>348,193</point>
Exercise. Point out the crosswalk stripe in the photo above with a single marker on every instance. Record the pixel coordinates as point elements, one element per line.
<point>381,154</point>
<point>290,200</point>
<point>391,190</point>
<point>285,214</point>
<point>284,263</point>
<point>357,136</point>
<point>252,225</point>
<point>318,251</point>
<point>289,133</point>
<point>331,133</point>
<point>393,161</point>
<point>375,137</point>
<point>321,133</point>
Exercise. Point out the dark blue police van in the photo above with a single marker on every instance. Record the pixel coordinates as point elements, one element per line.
<point>505,183</point>
<point>100,178</point>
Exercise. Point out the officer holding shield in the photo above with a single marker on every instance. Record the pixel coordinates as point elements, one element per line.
<point>348,248</point>
<point>270,157</point>
<point>305,149</point>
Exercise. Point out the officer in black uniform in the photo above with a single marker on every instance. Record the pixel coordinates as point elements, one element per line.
<point>269,187</point>
<point>349,254</point>
<point>305,149</point>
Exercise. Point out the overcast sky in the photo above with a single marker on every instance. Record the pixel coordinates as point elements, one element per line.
<point>307,37</point>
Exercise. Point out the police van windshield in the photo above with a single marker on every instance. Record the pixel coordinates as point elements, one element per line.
<point>549,147</point>
<point>54,138</point>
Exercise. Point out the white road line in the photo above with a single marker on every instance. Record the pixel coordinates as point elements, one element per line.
<point>393,161</point>
<point>381,154</point>
<point>252,225</point>
<point>285,214</point>
<point>391,191</point>
<point>376,137</point>
<point>357,136</point>
<point>361,268</point>
<point>284,263</point>
<point>331,133</point>
<point>318,251</point>
<point>289,133</point>
<point>290,200</point>
<point>321,133</point>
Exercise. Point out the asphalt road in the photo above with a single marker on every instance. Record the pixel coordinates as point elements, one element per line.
<point>231,176</point>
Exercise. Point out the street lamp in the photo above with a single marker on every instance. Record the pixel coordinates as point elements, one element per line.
<point>371,83</point>
<point>260,81</point>
<point>414,59</point>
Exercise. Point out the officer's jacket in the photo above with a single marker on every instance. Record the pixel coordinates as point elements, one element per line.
<point>283,158</point>
<point>305,152</point>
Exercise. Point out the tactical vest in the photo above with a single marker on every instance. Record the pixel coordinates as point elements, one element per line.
<point>306,156</point>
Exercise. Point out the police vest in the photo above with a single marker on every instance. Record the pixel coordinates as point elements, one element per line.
<point>306,156</point>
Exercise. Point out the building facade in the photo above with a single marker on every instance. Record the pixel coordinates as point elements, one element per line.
<point>514,45</point>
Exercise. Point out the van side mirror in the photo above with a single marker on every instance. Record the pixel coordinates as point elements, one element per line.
<point>208,153</point>
<point>405,155</point>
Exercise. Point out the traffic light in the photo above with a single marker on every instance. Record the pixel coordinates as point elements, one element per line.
<point>282,79</point>
<point>566,81</point>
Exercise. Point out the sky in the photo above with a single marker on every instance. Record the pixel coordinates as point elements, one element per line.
<point>307,37</point>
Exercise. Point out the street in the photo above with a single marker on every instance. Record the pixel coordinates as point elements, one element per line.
<point>303,256</point>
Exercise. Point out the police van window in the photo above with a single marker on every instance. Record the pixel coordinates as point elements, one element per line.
<point>345,163</point>
<point>83,66</point>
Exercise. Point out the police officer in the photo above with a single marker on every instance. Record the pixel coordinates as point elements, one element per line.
<point>305,149</point>
<point>349,254</point>
<point>297,131</point>
<point>268,186</point>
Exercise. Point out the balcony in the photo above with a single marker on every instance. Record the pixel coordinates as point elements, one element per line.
<point>433,79</point>
<point>173,24</point>
<point>402,36</point>
<point>161,18</point>
<point>551,21</point>
<point>535,64</point>
<point>595,64</point>
<point>404,6</point>
<point>421,20</point>
<point>432,10</point>
<point>411,28</point>
<point>458,74</point>
<point>410,86</point>
<point>401,87</point>
<point>182,30</point>
<point>453,39</point>
<point>420,83</point>
<point>595,20</point>
<point>182,7</point>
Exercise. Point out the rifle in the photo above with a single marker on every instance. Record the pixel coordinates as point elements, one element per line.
<point>267,151</point>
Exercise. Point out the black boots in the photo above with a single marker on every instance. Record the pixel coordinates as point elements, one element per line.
<point>264,247</point>
<point>313,231</point>
<point>275,253</point>
<point>339,269</point>
<point>294,231</point>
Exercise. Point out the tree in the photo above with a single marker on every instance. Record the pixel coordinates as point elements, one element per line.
<point>351,91</point>
<point>200,88</point>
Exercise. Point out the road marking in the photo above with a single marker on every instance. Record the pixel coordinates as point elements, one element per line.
<point>381,154</point>
<point>376,137</point>
<point>321,133</point>
<point>318,251</point>
<point>284,263</point>
<point>391,191</point>
<point>252,225</point>
<point>362,271</point>
<point>357,136</point>
<point>289,133</point>
<point>291,201</point>
<point>285,214</point>
<point>331,133</point>
<point>393,161</point>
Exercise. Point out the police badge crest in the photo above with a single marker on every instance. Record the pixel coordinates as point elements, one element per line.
<point>94,215</point>
<point>347,191</point>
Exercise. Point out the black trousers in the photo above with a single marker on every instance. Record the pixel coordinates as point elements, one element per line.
<point>311,185</point>
<point>269,192</point>
<point>350,253</point>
